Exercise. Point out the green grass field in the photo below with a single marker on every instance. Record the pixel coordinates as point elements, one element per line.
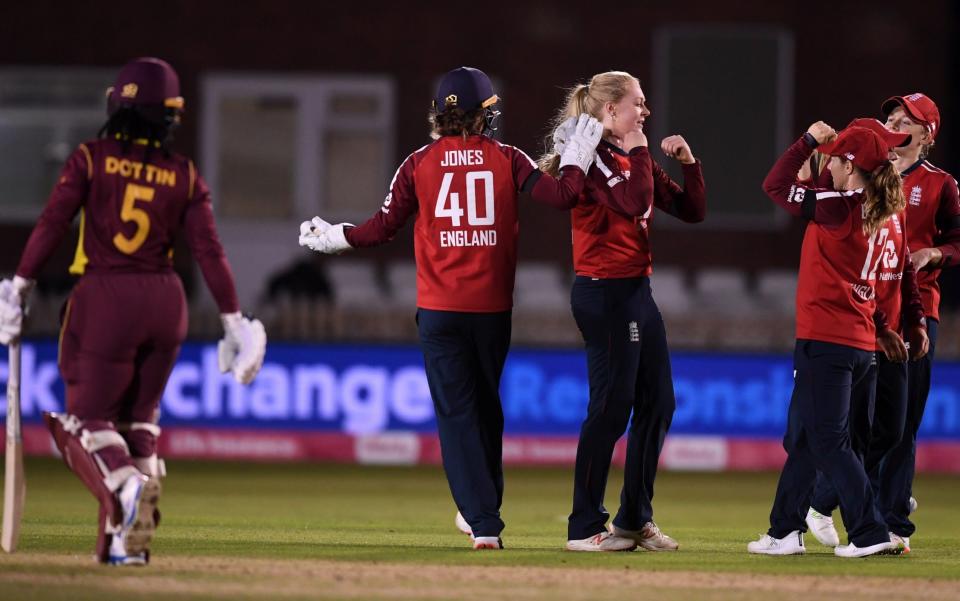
<point>347,532</point>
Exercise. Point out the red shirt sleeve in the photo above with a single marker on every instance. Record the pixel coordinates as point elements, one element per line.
<point>948,222</point>
<point>523,166</point>
<point>65,201</point>
<point>401,202</point>
<point>689,203</point>
<point>561,192</point>
<point>880,320</point>
<point>910,300</point>
<point>631,196</point>
<point>828,208</point>
<point>205,245</point>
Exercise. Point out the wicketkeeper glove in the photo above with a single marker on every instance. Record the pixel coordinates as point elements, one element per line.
<point>243,346</point>
<point>13,303</point>
<point>563,133</point>
<point>581,145</point>
<point>323,237</point>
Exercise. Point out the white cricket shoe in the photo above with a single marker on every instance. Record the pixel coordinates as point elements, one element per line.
<point>119,557</point>
<point>602,541</point>
<point>138,497</point>
<point>479,542</point>
<point>913,505</point>
<point>649,537</point>
<point>822,528</point>
<point>487,542</point>
<point>791,544</point>
<point>462,524</point>
<point>902,543</point>
<point>851,550</point>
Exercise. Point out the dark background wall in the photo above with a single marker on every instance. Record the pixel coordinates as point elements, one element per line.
<point>849,57</point>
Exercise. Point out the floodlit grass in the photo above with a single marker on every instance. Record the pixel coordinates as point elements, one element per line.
<point>380,515</point>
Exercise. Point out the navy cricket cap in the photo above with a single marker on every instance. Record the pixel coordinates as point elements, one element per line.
<point>465,88</point>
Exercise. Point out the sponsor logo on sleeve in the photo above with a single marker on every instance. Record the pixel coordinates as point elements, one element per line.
<point>796,194</point>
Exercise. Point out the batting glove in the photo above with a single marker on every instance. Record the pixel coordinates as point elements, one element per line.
<point>13,302</point>
<point>243,346</point>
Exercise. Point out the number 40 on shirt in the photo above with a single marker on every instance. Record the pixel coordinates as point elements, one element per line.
<point>448,203</point>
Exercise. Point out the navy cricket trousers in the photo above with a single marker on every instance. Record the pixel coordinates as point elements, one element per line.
<point>818,438</point>
<point>876,425</point>
<point>899,462</point>
<point>464,355</point>
<point>628,366</point>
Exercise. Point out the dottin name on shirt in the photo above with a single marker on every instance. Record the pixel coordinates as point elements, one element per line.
<point>450,238</point>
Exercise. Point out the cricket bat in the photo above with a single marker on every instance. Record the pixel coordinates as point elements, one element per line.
<point>14,485</point>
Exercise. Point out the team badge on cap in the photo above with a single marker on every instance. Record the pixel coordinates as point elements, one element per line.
<point>862,146</point>
<point>920,107</point>
<point>465,88</point>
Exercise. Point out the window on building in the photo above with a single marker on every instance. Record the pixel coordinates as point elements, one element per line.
<point>44,114</point>
<point>729,91</point>
<point>278,149</point>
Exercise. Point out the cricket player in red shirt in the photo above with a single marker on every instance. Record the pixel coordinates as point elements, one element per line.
<point>463,189</point>
<point>836,331</point>
<point>877,422</point>
<point>933,235</point>
<point>127,316</point>
<point>628,361</point>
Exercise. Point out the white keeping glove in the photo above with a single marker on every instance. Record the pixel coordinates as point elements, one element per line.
<point>322,237</point>
<point>13,302</point>
<point>581,145</point>
<point>242,348</point>
<point>310,232</point>
<point>563,133</point>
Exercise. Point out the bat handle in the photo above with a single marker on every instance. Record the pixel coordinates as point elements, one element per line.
<point>13,391</point>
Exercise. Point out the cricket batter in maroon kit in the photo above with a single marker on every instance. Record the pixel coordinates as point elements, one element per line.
<point>463,189</point>
<point>127,315</point>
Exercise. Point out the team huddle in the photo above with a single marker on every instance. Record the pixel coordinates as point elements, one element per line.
<point>882,222</point>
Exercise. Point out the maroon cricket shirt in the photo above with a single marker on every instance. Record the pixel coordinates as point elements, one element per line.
<point>131,209</point>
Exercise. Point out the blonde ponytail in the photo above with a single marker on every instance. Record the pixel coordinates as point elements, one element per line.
<point>883,197</point>
<point>588,98</point>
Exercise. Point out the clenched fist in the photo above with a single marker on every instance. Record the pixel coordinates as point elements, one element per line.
<point>677,148</point>
<point>822,132</point>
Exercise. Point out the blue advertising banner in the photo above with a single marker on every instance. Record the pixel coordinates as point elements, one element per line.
<point>374,389</point>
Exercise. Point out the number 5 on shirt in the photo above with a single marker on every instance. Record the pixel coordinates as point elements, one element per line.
<point>454,212</point>
<point>130,212</point>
